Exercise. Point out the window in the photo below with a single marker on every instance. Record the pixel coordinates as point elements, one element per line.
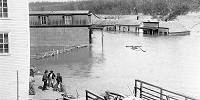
<point>68,20</point>
<point>165,33</point>
<point>43,20</point>
<point>3,9</point>
<point>4,43</point>
<point>84,22</point>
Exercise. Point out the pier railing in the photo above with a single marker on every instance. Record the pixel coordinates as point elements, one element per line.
<point>108,96</point>
<point>149,91</point>
<point>114,96</point>
<point>92,96</point>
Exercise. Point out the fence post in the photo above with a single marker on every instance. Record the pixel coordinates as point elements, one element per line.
<point>167,97</point>
<point>135,88</point>
<point>86,94</point>
<point>185,98</point>
<point>161,94</point>
<point>140,89</point>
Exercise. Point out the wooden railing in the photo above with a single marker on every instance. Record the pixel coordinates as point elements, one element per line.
<point>92,96</point>
<point>149,91</point>
<point>108,96</point>
<point>113,96</point>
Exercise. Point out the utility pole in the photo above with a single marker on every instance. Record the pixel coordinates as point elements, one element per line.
<point>17,85</point>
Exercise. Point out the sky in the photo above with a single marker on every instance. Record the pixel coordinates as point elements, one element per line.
<point>52,0</point>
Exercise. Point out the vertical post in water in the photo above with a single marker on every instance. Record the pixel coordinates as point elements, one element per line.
<point>17,85</point>
<point>90,35</point>
<point>128,28</point>
<point>102,38</point>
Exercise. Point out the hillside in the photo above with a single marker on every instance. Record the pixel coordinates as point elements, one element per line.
<point>166,9</point>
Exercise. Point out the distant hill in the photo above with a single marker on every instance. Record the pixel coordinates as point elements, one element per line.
<point>166,9</point>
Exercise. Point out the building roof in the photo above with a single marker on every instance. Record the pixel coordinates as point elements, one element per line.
<point>152,22</point>
<point>75,12</point>
<point>1,32</point>
<point>128,22</point>
<point>153,28</point>
<point>105,22</point>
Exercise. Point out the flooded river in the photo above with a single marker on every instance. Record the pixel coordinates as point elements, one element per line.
<point>171,62</point>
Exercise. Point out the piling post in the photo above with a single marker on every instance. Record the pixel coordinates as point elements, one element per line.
<point>90,35</point>
<point>102,39</point>
<point>128,28</point>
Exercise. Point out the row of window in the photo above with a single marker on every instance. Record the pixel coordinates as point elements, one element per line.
<point>4,36</point>
<point>4,43</point>
<point>3,9</point>
<point>67,20</point>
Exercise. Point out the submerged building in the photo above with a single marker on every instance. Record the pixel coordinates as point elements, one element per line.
<point>59,28</point>
<point>14,50</point>
<point>153,28</point>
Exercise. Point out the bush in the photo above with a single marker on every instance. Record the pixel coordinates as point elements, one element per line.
<point>178,10</point>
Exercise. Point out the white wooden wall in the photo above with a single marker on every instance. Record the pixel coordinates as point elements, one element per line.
<point>18,58</point>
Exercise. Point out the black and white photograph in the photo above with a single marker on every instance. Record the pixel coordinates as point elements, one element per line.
<point>99,49</point>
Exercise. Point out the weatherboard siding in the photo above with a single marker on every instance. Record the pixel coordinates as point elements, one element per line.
<point>59,20</point>
<point>18,58</point>
<point>59,36</point>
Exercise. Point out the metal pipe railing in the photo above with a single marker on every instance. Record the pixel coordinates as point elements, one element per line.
<point>148,93</point>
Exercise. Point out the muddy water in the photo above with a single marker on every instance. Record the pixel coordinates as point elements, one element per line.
<point>170,62</point>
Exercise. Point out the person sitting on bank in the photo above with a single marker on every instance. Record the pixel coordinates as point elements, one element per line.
<point>45,79</point>
<point>51,77</point>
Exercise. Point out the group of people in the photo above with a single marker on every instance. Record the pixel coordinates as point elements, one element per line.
<point>52,80</point>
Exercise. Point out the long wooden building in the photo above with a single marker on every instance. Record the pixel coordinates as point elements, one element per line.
<point>59,18</point>
<point>59,28</point>
<point>153,28</point>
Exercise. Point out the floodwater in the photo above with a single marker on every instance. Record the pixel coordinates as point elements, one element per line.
<point>171,62</point>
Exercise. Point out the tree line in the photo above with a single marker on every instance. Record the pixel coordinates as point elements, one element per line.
<point>163,8</point>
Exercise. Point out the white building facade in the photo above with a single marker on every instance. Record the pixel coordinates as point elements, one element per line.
<point>14,50</point>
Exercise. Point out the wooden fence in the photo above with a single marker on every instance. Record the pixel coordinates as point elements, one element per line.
<point>108,96</point>
<point>92,96</point>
